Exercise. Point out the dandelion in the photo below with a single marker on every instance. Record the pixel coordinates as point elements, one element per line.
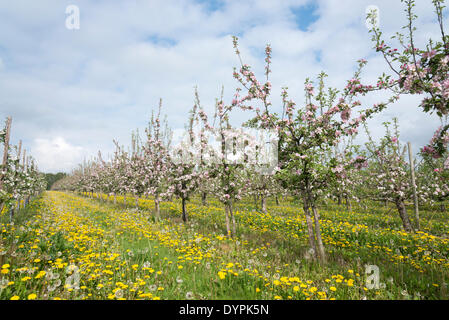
<point>49,275</point>
<point>72,268</point>
<point>153,287</point>
<point>51,288</point>
<point>179,280</point>
<point>32,296</point>
<point>313,289</point>
<point>3,284</point>
<point>118,293</point>
<point>189,295</point>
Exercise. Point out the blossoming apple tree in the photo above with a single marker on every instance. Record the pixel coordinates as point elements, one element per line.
<point>307,133</point>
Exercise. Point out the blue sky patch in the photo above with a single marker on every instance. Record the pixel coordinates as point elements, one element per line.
<point>305,15</point>
<point>161,41</point>
<point>211,5</point>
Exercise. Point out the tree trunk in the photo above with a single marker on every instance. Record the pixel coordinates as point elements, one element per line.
<point>321,252</point>
<point>310,231</point>
<point>442,207</point>
<point>403,214</point>
<point>124,199</point>
<point>277,200</point>
<point>228,226</point>
<point>137,202</point>
<point>158,210</point>
<point>203,199</point>
<point>348,203</point>
<point>232,219</point>
<point>339,199</point>
<point>115,198</point>
<point>255,201</point>
<point>263,204</point>
<point>184,212</point>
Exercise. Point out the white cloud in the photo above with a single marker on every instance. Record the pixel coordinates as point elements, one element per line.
<point>56,154</point>
<point>100,82</point>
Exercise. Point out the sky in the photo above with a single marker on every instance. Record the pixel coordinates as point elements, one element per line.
<point>70,91</point>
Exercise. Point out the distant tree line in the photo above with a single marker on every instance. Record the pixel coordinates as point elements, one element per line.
<point>51,178</point>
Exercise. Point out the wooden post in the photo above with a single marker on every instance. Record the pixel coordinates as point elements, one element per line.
<point>18,168</point>
<point>6,148</point>
<point>5,155</point>
<point>20,150</point>
<point>24,161</point>
<point>25,169</point>
<point>415,196</point>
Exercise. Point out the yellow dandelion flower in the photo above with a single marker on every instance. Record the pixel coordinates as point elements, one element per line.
<point>32,296</point>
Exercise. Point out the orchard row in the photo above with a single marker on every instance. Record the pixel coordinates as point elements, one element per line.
<point>19,177</point>
<point>317,158</point>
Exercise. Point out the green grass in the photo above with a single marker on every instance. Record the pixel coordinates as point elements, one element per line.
<point>171,260</point>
